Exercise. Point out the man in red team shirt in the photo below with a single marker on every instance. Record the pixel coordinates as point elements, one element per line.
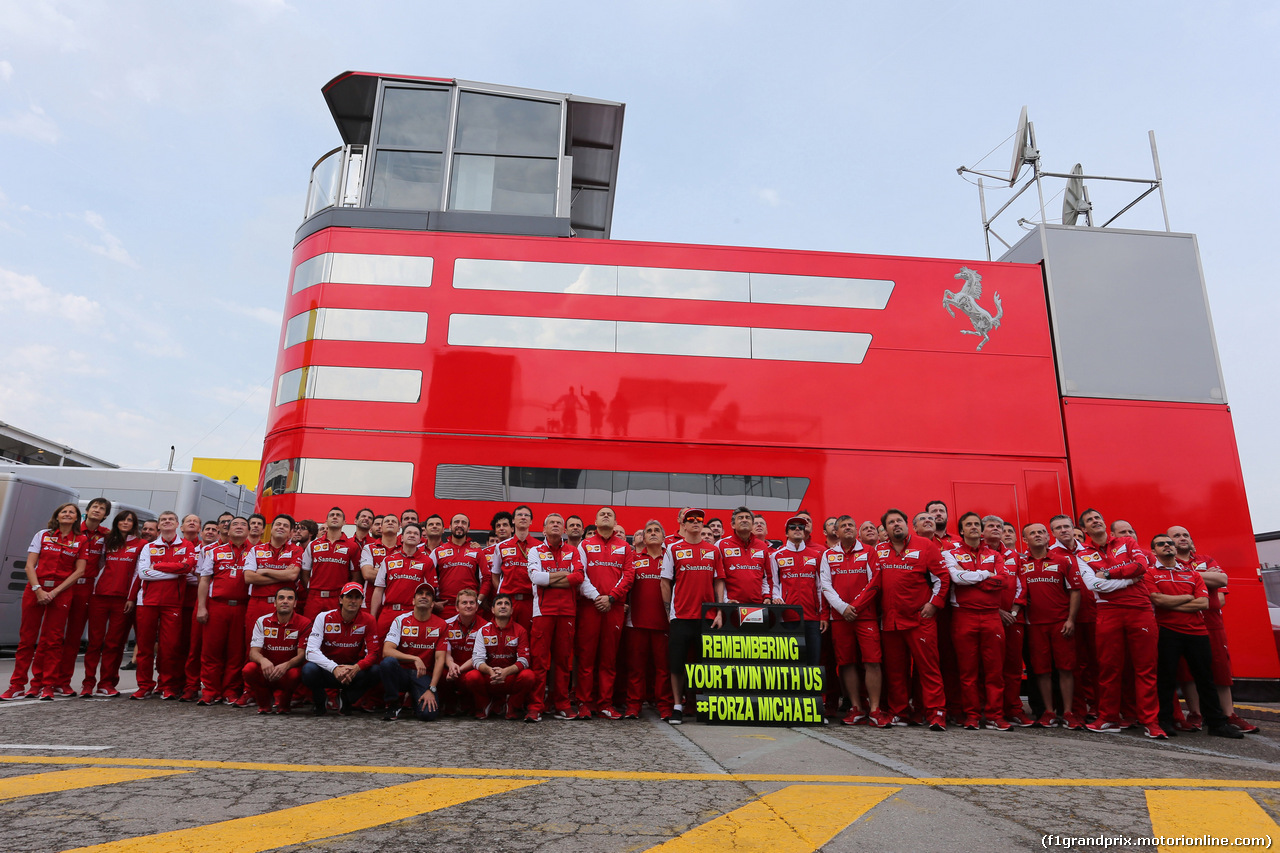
<point>458,564</point>
<point>276,563</point>
<point>1181,598</point>
<point>913,584</point>
<point>1114,568</point>
<point>163,567</point>
<point>796,580</point>
<point>95,533</point>
<point>845,572</point>
<point>555,572</point>
<point>460,633</point>
<point>376,551</point>
<point>500,527</point>
<point>510,568</point>
<point>747,568</point>
<point>607,567</point>
<point>342,652</point>
<point>1215,581</point>
<point>327,565</point>
<point>222,599</point>
<point>206,537</point>
<point>645,629</point>
<point>1013,601</point>
<point>978,578</point>
<point>692,574</point>
<point>1053,602</point>
<point>500,663</point>
<point>402,571</point>
<point>277,650</point>
<point>413,657</point>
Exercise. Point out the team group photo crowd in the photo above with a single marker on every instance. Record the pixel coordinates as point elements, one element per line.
<point>915,620</point>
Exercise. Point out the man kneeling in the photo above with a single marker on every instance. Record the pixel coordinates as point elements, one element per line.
<point>276,653</point>
<point>501,658</point>
<point>342,651</point>
<point>413,657</point>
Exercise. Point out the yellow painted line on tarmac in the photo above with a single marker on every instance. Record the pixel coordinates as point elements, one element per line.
<point>1225,815</point>
<point>795,819</point>
<point>69,780</point>
<point>314,821</point>
<point>1271,710</point>
<point>646,776</point>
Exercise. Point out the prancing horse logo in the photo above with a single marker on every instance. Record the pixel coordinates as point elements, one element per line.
<point>967,301</point>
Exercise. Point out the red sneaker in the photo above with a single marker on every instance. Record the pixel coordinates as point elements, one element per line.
<point>1073,722</point>
<point>971,722</point>
<point>1155,732</point>
<point>853,718</point>
<point>13,693</point>
<point>609,714</point>
<point>140,693</point>
<point>584,713</point>
<point>1047,720</point>
<point>86,692</point>
<point>1104,727</point>
<point>1243,725</point>
<point>1000,724</point>
<point>1195,720</point>
<point>46,695</point>
<point>1020,719</point>
<point>938,721</point>
<point>189,696</point>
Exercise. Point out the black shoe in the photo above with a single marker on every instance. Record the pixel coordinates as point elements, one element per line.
<point>129,667</point>
<point>319,710</point>
<point>1169,729</point>
<point>1227,730</point>
<point>344,704</point>
<point>392,714</point>
<point>676,718</point>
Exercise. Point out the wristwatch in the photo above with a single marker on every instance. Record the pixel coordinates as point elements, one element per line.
<point>432,688</point>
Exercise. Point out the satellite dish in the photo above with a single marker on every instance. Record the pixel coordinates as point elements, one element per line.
<point>1024,147</point>
<point>1075,200</point>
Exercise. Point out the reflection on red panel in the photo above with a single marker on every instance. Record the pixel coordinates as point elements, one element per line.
<point>1160,464</point>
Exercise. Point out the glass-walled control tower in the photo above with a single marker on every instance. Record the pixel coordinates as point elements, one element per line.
<point>434,154</point>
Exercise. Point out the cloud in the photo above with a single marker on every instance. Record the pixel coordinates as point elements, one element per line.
<point>31,123</point>
<point>28,293</point>
<point>6,71</point>
<point>271,317</point>
<point>111,248</point>
<point>768,196</point>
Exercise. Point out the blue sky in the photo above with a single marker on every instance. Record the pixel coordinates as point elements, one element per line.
<point>156,159</point>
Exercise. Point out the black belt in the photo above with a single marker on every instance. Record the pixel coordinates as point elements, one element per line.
<point>230,602</point>
<point>400,606</point>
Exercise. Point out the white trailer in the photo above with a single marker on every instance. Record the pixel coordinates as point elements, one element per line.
<point>26,504</point>
<point>184,492</point>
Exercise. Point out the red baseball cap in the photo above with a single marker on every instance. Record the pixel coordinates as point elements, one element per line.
<point>428,587</point>
<point>352,587</point>
<point>800,518</point>
<point>684,516</point>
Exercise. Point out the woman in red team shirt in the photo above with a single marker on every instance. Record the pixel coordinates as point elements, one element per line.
<point>55,561</point>
<point>111,607</point>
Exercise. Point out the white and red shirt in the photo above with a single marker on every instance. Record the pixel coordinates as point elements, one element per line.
<point>843,576</point>
<point>510,563</point>
<point>552,600</point>
<point>119,568</point>
<point>746,569</point>
<point>163,568</point>
<point>97,543</point>
<point>646,609</point>
<point>607,565</point>
<point>280,641</point>
<point>1180,580</point>
<point>335,643</point>
<point>797,579</point>
<point>906,582</point>
<point>461,638</point>
<point>329,563</point>
<point>267,556</point>
<point>419,637</point>
<point>225,564</point>
<point>1088,611</point>
<point>1204,563</point>
<point>692,569</point>
<point>401,574</point>
<point>57,555</point>
<point>501,647</point>
<point>1049,583</point>
<point>1125,562</point>
<point>978,577</point>
<point>458,567</point>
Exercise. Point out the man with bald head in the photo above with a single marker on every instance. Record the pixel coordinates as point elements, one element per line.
<point>607,562</point>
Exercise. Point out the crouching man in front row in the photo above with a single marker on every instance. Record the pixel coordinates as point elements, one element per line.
<point>342,651</point>
<point>413,657</point>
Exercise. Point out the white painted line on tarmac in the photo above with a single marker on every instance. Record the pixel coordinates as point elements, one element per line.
<point>882,760</point>
<point>19,703</point>
<point>51,746</point>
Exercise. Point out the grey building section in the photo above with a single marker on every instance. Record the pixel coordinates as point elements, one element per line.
<point>1129,312</point>
<point>27,448</point>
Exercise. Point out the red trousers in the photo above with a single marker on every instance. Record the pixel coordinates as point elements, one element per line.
<point>318,603</point>
<point>1086,671</point>
<point>904,648</point>
<point>552,644</point>
<point>268,693</point>
<point>40,641</point>
<point>1013,668</point>
<point>386,616</point>
<point>522,612</point>
<point>646,646</point>
<point>108,631</point>
<point>77,618</point>
<point>599,635</point>
<point>978,637</point>
<point>1127,633</point>
<point>165,625</point>
<point>222,651</point>
<point>192,643</point>
<point>515,690</point>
